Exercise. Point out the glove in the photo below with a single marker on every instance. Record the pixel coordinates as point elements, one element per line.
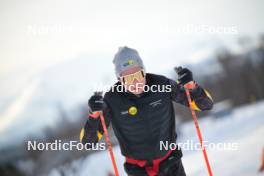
<point>185,76</point>
<point>96,103</point>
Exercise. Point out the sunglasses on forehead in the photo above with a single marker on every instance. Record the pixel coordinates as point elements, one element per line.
<point>129,79</point>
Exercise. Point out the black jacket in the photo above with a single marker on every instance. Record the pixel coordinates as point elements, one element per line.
<point>140,123</point>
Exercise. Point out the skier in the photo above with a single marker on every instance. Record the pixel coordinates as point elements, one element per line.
<point>143,118</point>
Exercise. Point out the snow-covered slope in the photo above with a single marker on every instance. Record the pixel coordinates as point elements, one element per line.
<point>245,126</point>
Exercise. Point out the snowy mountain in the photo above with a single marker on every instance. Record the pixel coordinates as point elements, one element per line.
<point>66,86</point>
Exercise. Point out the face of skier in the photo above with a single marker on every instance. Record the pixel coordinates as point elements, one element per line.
<point>134,80</point>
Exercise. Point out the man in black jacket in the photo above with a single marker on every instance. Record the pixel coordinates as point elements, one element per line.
<point>140,108</point>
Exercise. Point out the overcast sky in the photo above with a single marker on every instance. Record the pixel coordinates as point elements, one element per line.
<point>35,33</point>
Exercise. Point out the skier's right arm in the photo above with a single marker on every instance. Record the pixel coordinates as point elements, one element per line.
<point>93,130</point>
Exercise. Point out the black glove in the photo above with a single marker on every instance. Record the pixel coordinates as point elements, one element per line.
<point>184,75</point>
<point>96,102</point>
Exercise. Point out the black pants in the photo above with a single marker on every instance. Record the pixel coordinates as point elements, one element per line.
<point>172,166</point>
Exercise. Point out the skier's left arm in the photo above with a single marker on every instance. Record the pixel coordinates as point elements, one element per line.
<point>201,99</point>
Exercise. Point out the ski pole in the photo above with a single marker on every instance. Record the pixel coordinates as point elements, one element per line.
<point>199,134</point>
<point>110,149</point>
<point>198,131</point>
<point>107,138</point>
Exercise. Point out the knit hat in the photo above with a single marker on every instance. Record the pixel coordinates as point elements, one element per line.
<point>126,58</point>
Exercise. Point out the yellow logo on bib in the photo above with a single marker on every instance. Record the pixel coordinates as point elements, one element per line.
<point>132,110</point>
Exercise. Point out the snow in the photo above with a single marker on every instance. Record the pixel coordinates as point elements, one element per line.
<point>245,127</point>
